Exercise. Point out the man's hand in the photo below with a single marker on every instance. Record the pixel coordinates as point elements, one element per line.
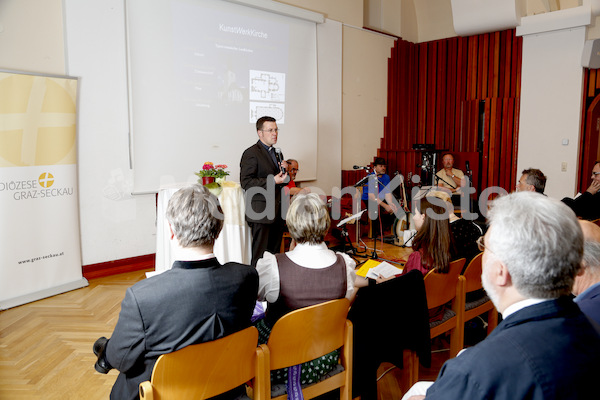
<point>280,178</point>
<point>594,187</point>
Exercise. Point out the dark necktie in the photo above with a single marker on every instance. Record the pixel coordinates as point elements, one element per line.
<point>272,153</point>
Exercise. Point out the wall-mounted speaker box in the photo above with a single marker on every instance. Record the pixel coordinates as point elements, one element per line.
<point>590,57</point>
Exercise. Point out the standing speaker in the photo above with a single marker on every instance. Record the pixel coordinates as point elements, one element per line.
<point>591,54</point>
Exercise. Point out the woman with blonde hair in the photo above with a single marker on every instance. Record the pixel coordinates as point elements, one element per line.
<point>307,275</point>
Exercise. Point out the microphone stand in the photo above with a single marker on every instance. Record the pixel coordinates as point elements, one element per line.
<point>440,179</point>
<point>403,245</point>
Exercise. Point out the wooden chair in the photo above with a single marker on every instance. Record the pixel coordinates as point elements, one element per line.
<point>309,333</point>
<point>475,308</point>
<point>207,369</point>
<point>444,288</point>
<point>441,289</point>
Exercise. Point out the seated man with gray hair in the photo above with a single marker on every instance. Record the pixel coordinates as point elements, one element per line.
<point>545,347</point>
<point>532,180</point>
<point>196,301</point>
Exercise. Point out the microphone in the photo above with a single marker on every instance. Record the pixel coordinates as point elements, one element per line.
<point>279,158</point>
<point>467,166</point>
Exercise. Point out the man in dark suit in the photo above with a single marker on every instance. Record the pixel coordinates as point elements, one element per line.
<point>587,205</point>
<point>587,281</point>
<point>196,301</point>
<point>262,177</point>
<point>545,347</point>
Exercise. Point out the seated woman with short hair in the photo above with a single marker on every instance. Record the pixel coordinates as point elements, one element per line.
<point>307,275</point>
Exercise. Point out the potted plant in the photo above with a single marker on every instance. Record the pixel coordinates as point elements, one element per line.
<point>212,176</point>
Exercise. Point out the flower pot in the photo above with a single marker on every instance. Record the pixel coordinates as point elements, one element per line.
<point>207,179</point>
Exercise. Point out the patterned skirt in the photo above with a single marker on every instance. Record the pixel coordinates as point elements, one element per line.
<point>312,371</point>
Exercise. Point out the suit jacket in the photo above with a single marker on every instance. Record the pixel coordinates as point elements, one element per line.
<point>546,351</point>
<point>589,303</point>
<point>194,302</point>
<point>586,206</point>
<point>255,167</point>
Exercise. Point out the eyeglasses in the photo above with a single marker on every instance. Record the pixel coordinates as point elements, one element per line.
<point>276,130</point>
<point>481,243</point>
<point>595,173</point>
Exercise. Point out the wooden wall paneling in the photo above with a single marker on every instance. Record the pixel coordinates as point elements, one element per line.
<point>508,37</point>
<point>483,68</point>
<point>592,83</point>
<point>502,68</point>
<point>422,94</point>
<point>516,106</point>
<point>497,136</point>
<point>517,78</point>
<point>496,64</point>
<point>389,130</point>
<point>440,93</point>
<point>516,66</point>
<point>395,129</point>
<point>413,100</point>
<point>588,83</point>
<point>430,94</point>
<point>459,85</point>
<point>506,141</point>
<point>450,95</point>
<point>472,68</point>
<point>485,146</point>
<point>398,73</point>
<point>473,133</point>
<point>493,148</point>
<point>491,65</point>
<point>391,97</point>
<point>491,171</point>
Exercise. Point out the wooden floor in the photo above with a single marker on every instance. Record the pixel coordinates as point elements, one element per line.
<point>46,346</point>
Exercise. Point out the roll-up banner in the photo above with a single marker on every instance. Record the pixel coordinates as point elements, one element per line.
<point>40,250</point>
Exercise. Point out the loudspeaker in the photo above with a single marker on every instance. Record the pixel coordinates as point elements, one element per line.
<point>591,54</point>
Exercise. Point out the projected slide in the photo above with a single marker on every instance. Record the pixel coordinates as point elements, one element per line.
<point>202,72</point>
<point>230,59</point>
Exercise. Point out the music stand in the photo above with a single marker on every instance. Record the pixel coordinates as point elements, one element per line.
<point>342,224</point>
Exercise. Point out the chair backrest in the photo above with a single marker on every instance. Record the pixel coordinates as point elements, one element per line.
<point>207,369</point>
<point>441,288</point>
<point>308,333</point>
<point>473,274</point>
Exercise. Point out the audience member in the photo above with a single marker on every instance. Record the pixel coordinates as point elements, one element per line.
<point>464,233</point>
<point>587,281</point>
<point>545,347</point>
<point>307,275</point>
<point>431,246</point>
<point>587,205</point>
<point>259,168</point>
<point>196,301</point>
<point>449,177</point>
<point>532,180</point>
<point>292,188</point>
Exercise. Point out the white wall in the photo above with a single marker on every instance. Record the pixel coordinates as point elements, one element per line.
<point>114,224</point>
<point>551,106</point>
<point>365,61</point>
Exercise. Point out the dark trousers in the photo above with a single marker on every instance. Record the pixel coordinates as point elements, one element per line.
<point>265,237</point>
